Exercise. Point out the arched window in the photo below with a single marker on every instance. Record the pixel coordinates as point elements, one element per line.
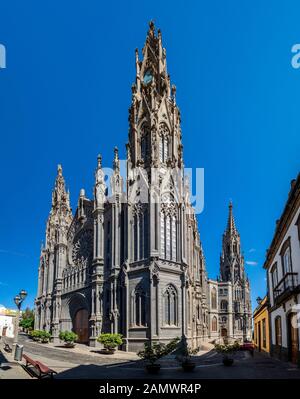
<point>168,229</point>
<point>224,305</point>
<point>214,298</point>
<point>286,259</point>
<point>139,308</point>
<point>198,312</point>
<point>145,138</point>
<point>140,232</point>
<point>135,236</point>
<point>42,277</point>
<point>214,324</point>
<point>189,307</point>
<point>163,143</point>
<point>145,148</point>
<point>278,333</point>
<point>170,306</point>
<point>146,234</point>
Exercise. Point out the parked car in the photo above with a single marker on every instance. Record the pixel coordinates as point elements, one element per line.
<point>247,346</point>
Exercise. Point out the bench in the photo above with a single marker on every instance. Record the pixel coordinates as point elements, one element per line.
<point>42,369</point>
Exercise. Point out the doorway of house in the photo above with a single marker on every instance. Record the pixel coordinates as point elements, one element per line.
<point>259,336</point>
<point>4,331</point>
<point>81,325</point>
<point>293,338</point>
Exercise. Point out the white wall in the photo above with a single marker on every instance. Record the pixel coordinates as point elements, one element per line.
<point>295,255</point>
<point>7,321</point>
<point>292,232</point>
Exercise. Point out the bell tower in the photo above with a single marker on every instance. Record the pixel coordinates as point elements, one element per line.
<point>154,118</point>
<point>231,261</point>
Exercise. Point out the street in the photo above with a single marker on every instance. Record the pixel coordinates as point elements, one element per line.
<point>85,362</point>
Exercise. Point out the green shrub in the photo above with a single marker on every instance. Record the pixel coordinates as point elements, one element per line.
<point>153,352</point>
<point>110,341</point>
<point>45,336</point>
<point>40,335</point>
<point>68,336</point>
<point>227,348</point>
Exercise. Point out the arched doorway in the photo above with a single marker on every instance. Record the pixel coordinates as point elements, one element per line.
<point>293,337</point>
<point>81,325</point>
<point>224,332</point>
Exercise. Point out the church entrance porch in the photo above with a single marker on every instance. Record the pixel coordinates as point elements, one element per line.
<point>80,325</point>
<point>224,332</point>
<point>75,315</point>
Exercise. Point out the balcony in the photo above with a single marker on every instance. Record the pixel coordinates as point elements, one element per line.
<point>287,286</point>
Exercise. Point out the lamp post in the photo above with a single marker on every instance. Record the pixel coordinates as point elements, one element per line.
<point>18,299</point>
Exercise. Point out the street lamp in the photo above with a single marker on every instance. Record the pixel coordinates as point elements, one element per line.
<point>18,299</point>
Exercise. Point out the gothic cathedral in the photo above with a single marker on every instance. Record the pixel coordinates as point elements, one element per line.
<point>130,260</point>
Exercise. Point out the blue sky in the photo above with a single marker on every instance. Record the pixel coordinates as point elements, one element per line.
<point>64,98</point>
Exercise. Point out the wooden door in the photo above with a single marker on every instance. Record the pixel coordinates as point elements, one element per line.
<point>224,332</point>
<point>4,331</point>
<point>81,326</point>
<point>259,336</point>
<point>293,338</point>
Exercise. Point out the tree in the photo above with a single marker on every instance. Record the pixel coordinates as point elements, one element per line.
<point>27,320</point>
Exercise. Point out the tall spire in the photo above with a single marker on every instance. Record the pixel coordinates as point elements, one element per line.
<point>154,118</point>
<point>230,222</point>
<point>231,261</point>
<point>60,216</point>
<point>60,196</point>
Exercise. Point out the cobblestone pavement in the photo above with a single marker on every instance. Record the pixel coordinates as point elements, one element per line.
<point>80,363</point>
<point>81,354</point>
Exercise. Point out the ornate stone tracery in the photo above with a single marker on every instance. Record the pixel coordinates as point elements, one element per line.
<point>82,250</point>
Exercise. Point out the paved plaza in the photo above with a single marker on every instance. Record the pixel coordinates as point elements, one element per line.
<point>86,362</point>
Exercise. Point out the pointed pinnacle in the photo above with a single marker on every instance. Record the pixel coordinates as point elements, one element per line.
<point>99,159</point>
<point>231,223</point>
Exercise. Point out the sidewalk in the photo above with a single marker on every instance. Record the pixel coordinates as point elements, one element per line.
<point>10,369</point>
<point>87,350</point>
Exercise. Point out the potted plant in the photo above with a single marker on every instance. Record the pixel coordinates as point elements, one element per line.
<point>186,361</point>
<point>36,335</point>
<point>227,350</point>
<point>45,337</point>
<point>110,342</point>
<point>69,338</point>
<point>153,352</point>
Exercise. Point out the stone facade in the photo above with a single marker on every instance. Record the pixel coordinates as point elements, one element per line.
<point>230,313</point>
<point>130,260</point>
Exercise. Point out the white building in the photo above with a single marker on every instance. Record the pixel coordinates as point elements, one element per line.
<point>283,268</point>
<point>7,323</point>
